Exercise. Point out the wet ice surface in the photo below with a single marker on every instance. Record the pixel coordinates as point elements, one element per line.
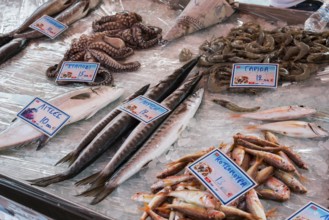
<point>24,77</point>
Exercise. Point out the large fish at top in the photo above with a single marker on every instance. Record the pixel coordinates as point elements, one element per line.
<point>120,125</point>
<point>79,104</point>
<point>157,144</point>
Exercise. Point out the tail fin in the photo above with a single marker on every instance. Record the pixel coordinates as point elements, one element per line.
<point>45,181</point>
<point>90,180</point>
<point>102,192</point>
<point>69,158</point>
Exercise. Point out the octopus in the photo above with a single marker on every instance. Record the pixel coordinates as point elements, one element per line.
<point>128,26</point>
<point>100,48</point>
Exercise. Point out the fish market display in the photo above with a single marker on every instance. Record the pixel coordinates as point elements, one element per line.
<point>179,195</point>
<point>280,113</point>
<point>299,129</point>
<point>233,107</point>
<point>79,104</point>
<point>299,53</point>
<point>198,15</point>
<point>116,129</point>
<point>156,145</point>
<point>114,39</point>
<point>73,155</point>
<point>65,11</point>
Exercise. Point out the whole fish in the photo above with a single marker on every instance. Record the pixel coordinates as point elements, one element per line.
<point>142,132</point>
<point>254,205</point>
<point>118,127</point>
<point>233,107</point>
<point>280,113</point>
<point>290,181</point>
<point>12,48</point>
<point>79,104</point>
<point>192,157</point>
<point>299,129</point>
<point>230,211</point>
<point>73,155</point>
<point>142,197</point>
<point>172,170</point>
<point>277,191</point>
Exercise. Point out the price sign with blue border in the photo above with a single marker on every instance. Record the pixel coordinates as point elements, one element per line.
<point>311,211</point>
<point>78,71</point>
<point>48,26</point>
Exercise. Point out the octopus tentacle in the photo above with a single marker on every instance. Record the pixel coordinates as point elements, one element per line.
<point>112,64</point>
<point>106,78</point>
<point>111,51</point>
<point>77,56</point>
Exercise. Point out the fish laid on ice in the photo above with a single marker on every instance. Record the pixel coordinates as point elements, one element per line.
<point>79,104</point>
<point>299,129</point>
<point>118,127</point>
<point>234,107</point>
<point>279,114</point>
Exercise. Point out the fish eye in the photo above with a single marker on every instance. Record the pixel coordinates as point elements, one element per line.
<point>302,106</point>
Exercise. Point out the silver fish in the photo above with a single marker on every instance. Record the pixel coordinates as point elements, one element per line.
<point>279,114</point>
<point>73,155</point>
<point>151,150</point>
<point>299,129</point>
<point>20,133</point>
<point>118,127</point>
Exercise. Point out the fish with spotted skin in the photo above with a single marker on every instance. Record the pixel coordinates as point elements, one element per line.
<point>76,103</point>
<point>298,129</point>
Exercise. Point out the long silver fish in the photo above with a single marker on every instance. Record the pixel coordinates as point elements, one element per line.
<point>73,155</point>
<point>140,134</point>
<point>299,129</point>
<point>79,104</point>
<point>118,127</point>
<point>279,114</point>
<point>158,143</point>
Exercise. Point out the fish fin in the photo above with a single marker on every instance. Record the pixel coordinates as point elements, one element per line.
<point>145,208</point>
<point>251,127</point>
<point>271,213</point>
<point>45,181</point>
<point>91,180</point>
<point>102,193</point>
<point>43,140</point>
<point>235,116</point>
<point>69,158</point>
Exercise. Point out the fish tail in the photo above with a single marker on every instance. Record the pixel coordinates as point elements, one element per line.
<point>235,116</point>
<point>92,179</point>
<point>45,181</point>
<point>69,158</point>
<point>271,213</point>
<point>102,192</point>
<point>251,127</point>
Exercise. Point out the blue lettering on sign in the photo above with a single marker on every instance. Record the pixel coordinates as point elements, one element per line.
<point>227,166</point>
<point>256,69</point>
<point>54,22</point>
<point>152,106</point>
<point>50,110</point>
<point>325,217</point>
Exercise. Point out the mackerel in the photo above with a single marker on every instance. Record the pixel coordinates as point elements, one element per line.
<point>141,133</point>
<point>79,104</point>
<point>118,127</point>
<point>73,155</point>
<point>159,142</point>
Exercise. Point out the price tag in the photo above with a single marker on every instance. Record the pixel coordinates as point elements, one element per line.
<point>254,75</point>
<point>48,26</point>
<point>144,109</point>
<point>44,116</point>
<point>78,71</point>
<point>311,211</point>
<point>223,178</point>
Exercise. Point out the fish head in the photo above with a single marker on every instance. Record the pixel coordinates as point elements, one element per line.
<point>318,130</point>
<point>304,109</point>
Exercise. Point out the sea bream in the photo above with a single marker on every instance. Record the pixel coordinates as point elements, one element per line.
<point>157,144</point>
<point>279,114</point>
<point>79,104</point>
<point>298,129</point>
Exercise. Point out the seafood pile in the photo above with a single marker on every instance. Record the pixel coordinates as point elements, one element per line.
<point>299,53</point>
<point>64,11</point>
<point>115,37</point>
<point>144,142</point>
<point>179,195</point>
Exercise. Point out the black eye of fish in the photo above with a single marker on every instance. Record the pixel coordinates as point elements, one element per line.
<point>302,106</point>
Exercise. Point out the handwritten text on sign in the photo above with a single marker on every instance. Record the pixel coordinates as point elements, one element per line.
<point>254,75</point>
<point>78,71</point>
<point>48,26</point>
<point>44,116</point>
<point>311,211</point>
<point>226,180</point>
<point>144,109</point>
